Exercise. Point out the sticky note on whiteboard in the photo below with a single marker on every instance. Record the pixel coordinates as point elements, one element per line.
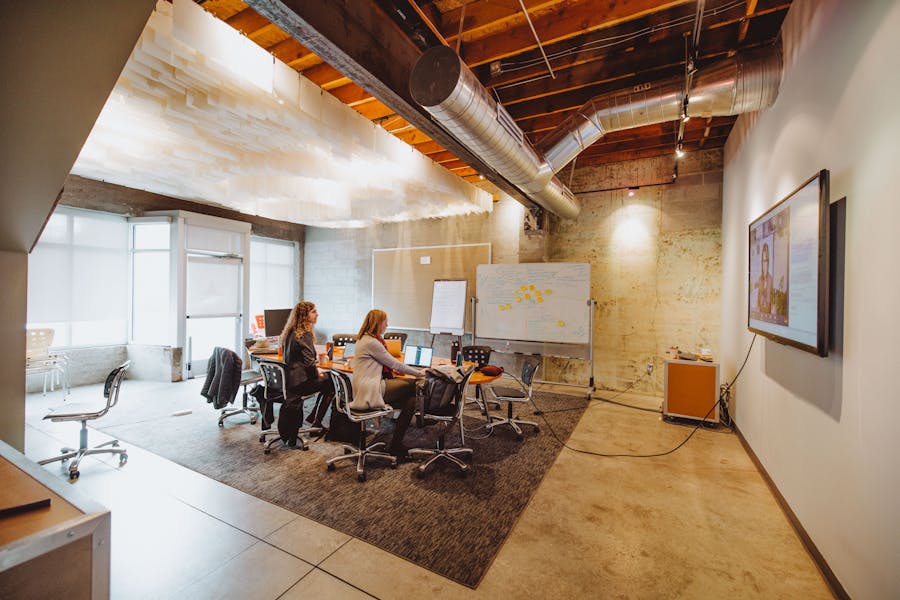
<point>424,260</point>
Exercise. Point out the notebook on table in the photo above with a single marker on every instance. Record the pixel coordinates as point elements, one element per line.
<point>418,356</point>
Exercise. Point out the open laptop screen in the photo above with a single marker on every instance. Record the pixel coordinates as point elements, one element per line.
<point>418,356</point>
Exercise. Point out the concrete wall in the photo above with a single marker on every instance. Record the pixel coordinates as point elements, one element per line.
<point>827,430</point>
<point>655,266</point>
<point>338,263</point>
<point>655,263</point>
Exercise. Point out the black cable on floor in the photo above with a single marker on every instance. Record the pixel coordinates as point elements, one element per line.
<point>683,442</point>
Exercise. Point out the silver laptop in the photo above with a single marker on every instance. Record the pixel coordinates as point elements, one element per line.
<point>418,356</point>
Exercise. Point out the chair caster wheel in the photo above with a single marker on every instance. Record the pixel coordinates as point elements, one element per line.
<point>221,424</point>
<point>115,444</point>
<point>537,429</point>
<point>73,475</point>
<point>253,421</point>
<point>361,477</point>
<point>420,474</point>
<point>267,451</point>
<point>520,437</point>
<point>122,460</point>
<point>394,465</point>
<point>347,451</point>
<point>304,447</point>
<point>262,438</point>
<point>331,466</point>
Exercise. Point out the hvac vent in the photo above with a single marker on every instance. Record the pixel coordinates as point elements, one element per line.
<point>509,125</point>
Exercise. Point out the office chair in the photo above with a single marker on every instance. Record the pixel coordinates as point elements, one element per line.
<point>342,339</point>
<point>511,395</point>
<point>396,335</point>
<point>84,412</point>
<point>249,406</point>
<point>39,359</point>
<point>481,355</point>
<point>273,377</point>
<point>343,396</point>
<point>449,418</point>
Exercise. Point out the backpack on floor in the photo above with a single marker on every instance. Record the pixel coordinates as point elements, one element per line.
<point>442,389</point>
<point>289,418</point>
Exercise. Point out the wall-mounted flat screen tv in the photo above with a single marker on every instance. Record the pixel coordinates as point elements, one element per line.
<point>788,288</point>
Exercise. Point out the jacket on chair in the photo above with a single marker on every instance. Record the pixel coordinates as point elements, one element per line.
<point>223,377</point>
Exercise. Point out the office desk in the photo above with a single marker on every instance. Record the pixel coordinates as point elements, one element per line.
<point>58,551</point>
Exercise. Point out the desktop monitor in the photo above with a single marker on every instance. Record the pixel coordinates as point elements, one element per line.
<point>275,320</point>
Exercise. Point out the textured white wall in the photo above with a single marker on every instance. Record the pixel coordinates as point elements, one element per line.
<point>828,430</point>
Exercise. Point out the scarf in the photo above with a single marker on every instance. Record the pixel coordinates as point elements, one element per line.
<point>386,372</point>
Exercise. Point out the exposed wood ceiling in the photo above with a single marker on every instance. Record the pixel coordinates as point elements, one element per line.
<point>362,52</point>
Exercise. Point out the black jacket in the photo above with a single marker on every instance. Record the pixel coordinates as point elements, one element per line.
<point>223,377</point>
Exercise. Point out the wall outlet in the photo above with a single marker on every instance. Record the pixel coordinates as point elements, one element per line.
<point>649,368</point>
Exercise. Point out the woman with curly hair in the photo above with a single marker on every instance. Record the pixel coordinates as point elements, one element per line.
<point>299,349</point>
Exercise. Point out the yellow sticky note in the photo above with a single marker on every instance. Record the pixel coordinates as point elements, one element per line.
<point>518,298</point>
<point>539,299</point>
<point>561,323</point>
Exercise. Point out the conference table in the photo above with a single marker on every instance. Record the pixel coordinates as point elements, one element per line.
<point>477,379</point>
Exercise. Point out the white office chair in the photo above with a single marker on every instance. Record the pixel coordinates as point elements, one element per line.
<point>39,359</point>
<point>84,412</point>
<point>343,396</point>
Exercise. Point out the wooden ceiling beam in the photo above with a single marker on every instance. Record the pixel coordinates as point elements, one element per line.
<point>576,18</point>
<point>358,39</point>
<point>374,109</point>
<point>326,76</point>
<point>429,148</point>
<point>487,14</point>
<point>248,21</point>
<point>351,94</point>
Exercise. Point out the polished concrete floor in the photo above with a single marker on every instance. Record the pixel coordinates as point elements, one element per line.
<point>697,523</point>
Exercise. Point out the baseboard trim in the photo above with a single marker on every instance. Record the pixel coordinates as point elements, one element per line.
<point>836,588</point>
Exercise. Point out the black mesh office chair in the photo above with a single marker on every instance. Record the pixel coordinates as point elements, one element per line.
<point>273,376</point>
<point>84,412</point>
<point>511,395</point>
<point>481,355</point>
<point>343,396</point>
<point>342,339</point>
<point>396,335</point>
<point>448,417</point>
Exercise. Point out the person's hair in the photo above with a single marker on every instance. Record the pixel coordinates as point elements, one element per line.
<point>298,323</point>
<point>371,323</point>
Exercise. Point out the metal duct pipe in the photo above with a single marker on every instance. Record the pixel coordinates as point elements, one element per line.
<point>743,83</point>
<point>447,89</point>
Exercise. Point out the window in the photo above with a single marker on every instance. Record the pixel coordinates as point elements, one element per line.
<point>78,279</point>
<point>273,275</point>
<point>151,294</point>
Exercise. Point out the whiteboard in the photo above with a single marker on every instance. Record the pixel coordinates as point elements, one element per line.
<point>541,302</point>
<point>448,306</point>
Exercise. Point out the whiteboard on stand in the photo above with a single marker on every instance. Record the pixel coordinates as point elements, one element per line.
<point>448,306</point>
<point>540,302</point>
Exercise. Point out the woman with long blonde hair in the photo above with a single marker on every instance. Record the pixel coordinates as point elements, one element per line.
<point>374,385</point>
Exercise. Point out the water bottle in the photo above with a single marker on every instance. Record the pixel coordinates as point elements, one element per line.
<point>459,359</point>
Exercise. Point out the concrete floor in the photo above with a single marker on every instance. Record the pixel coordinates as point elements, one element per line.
<point>697,523</point>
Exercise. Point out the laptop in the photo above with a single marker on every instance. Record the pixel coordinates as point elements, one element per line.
<point>349,350</point>
<point>418,356</point>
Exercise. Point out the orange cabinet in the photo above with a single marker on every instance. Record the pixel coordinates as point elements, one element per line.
<point>692,390</point>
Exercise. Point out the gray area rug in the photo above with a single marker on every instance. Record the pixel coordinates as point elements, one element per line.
<point>450,525</point>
